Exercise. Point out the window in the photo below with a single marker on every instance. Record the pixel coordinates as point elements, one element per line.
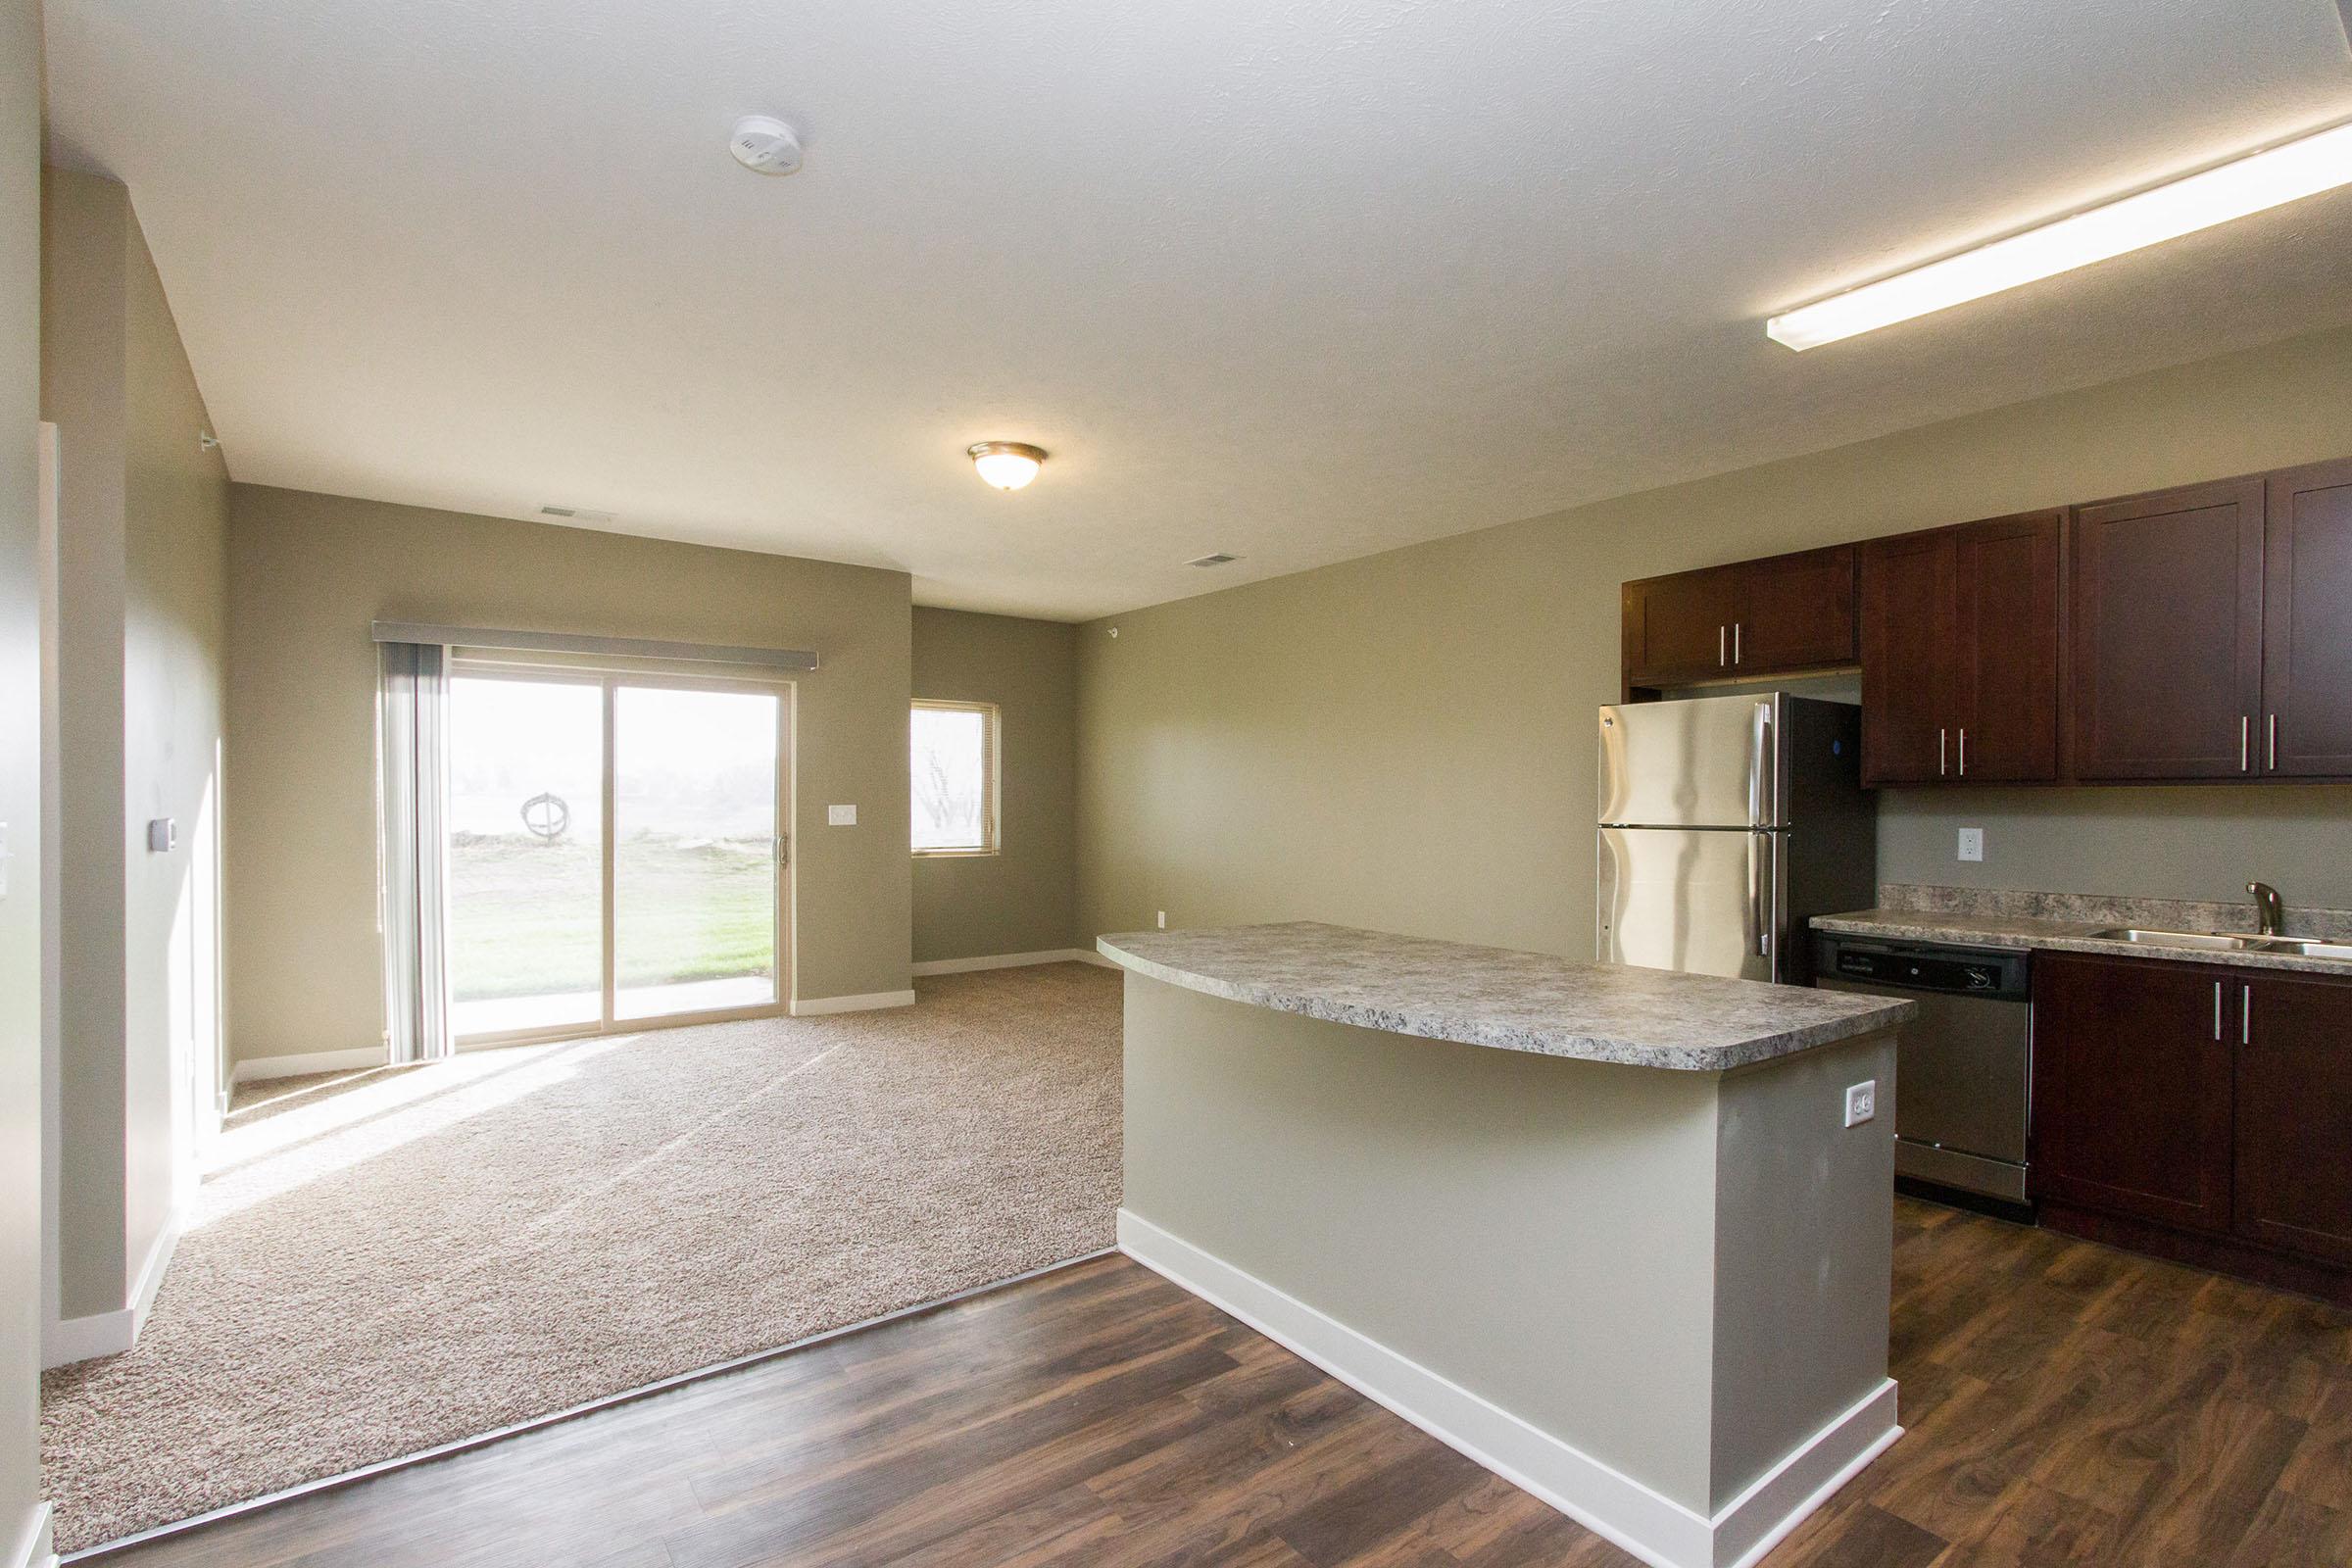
<point>955,781</point>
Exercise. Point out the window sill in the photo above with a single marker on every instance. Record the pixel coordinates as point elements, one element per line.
<point>953,855</point>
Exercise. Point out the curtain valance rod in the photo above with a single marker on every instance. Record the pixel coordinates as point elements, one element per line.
<point>556,642</point>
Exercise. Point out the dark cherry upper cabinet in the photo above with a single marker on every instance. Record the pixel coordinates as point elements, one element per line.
<point>2307,623</point>
<point>1795,613</point>
<point>2168,594</point>
<point>2133,1087</point>
<point>1906,667</point>
<point>2006,586</point>
<point>2294,1113</point>
<point>1751,619</point>
<point>1678,629</point>
<point>1960,653</point>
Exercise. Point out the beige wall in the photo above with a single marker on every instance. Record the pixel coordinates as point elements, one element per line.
<point>1405,740</point>
<point>20,1087</point>
<point>308,573</point>
<point>1024,897</point>
<point>139,583</point>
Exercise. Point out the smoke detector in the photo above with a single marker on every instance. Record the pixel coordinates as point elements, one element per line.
<point>766,145</point>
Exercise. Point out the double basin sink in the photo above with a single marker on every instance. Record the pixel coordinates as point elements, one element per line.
<point>2292,947</point>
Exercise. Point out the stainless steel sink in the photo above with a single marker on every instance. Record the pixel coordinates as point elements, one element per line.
<point>2305,947</point>
<point>2183,939</point>
<point>2217,942</point>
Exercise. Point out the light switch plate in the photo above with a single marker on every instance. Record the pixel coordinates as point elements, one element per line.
<point>1163,919</point>
<point>162,835</point>
<point>841,816</point>
<point>1972,844</point>
<point>1861,1102</point>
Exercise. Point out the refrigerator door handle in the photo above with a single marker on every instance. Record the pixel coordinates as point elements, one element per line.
<point>1763,771</point>
<point>1759,876</point>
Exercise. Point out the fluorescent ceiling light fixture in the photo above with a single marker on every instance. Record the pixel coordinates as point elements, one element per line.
<point>1006,464</point>
<point>2254,183</point>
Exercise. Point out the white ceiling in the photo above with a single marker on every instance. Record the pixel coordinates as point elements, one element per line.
<point>1298,280</point>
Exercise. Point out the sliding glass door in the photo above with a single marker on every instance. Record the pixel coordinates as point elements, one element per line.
<point>616,851</point>
<point>695,849</point>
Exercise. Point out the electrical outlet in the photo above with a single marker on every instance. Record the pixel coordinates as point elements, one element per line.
<point>1163,919</point>
<point>1861,1102</point>
<point>1972,844</point>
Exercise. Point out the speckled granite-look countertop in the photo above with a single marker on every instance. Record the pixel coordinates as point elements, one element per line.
<point>1496,997</point>
<point>2063,922</point>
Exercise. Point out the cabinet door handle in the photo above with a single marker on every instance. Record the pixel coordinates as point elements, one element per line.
<point>1720,662</point>
<point>2246,1016</point>
<point>1964,751</point>
<point>2245,735</point>
<point>1735,642</point>
<point>2271,741</point>
<point>2217,1009</point>
<point>1939,767</point>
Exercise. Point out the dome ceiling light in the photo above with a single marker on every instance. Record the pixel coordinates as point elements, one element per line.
<point>1005,464</point>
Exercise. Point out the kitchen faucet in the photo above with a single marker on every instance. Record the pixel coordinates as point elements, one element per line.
<point>2268,916</point>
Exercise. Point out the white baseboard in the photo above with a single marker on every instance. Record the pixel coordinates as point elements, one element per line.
<point>1005,960</point>
<point>34,1549</point>
<point>81,1338</point>
<point>254,1069</point>
<point>1089,956</point>
<point>1652,1526</point>
<point>815,1007</point>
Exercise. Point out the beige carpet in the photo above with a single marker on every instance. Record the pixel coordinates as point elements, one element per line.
<point>394,1259</point>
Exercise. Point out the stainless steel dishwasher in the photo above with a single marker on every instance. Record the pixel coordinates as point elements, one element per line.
<point>1963,1069</point>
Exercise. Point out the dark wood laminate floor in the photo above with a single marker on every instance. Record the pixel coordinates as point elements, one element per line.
<point>2067,1405</point>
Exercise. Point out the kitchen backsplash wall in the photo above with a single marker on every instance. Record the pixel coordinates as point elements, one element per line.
<point>2185,841</point>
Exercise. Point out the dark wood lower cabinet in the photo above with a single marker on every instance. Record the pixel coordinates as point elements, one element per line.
<point>2198,1111</point>
<point>2294,1114</point>
<point>2133,1088</point>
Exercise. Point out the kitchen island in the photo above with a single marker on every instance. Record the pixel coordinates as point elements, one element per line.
<point>1602,1229</point>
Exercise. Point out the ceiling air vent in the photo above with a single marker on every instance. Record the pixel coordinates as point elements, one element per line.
<point>1217,560</point>
<point>576,514</point>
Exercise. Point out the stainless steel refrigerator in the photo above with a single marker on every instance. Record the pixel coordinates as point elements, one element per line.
<point>1726,824</point>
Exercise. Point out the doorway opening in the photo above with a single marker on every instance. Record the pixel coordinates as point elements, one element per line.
<point>616,849</point>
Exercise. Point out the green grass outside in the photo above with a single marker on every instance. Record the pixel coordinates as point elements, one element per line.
<point>524,917</point>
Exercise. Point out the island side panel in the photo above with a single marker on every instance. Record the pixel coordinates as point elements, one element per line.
<point>1537,1230</point>
<point>1805,1215</point>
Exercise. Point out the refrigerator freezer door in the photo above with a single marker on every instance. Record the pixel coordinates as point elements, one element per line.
<point>1704,901</point>
<point>1711,762</point>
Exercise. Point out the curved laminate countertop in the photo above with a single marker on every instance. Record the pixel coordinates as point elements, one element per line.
<point>1504,999</point>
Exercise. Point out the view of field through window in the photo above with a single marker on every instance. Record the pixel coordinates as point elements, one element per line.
<point>694,852</point>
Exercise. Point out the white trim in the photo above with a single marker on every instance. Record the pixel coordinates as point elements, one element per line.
<point>254,1069</point>
<point>34,1548</point>
<point>812,1006</point>
<point>1005,960</point>
<point>1630,1514</point>
<point>67,1340</point>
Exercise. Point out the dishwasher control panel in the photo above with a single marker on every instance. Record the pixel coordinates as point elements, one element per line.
<point>1985,972</point>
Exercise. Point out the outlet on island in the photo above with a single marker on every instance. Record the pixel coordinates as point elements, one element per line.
<point>1861,1103</point>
